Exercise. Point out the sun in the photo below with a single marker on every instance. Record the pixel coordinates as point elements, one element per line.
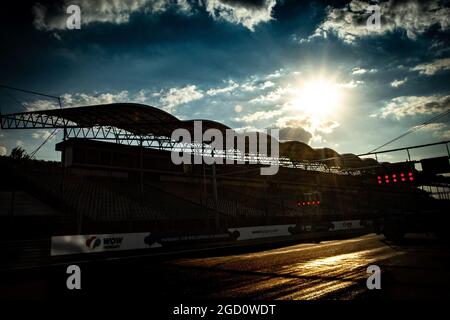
<point>317,98</point>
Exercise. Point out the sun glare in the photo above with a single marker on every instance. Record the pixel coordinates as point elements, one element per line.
<point>317,98</point>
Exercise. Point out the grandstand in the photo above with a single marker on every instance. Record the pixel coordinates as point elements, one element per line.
<point>116,176</point>
<point>133,179</point>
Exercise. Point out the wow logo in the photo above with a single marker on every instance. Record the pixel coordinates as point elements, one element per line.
<point>93,242</point>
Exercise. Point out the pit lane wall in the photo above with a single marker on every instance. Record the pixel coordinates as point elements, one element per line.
<point>95,243</point>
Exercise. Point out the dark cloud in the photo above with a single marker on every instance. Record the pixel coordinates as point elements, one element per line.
<point>414,17</point>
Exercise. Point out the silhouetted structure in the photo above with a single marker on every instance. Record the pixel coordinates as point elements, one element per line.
<point>116,175</point>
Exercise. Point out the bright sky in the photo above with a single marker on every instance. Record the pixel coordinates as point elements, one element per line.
<point>312,69</point>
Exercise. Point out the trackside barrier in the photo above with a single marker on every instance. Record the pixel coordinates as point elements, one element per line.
<point>76,244</point>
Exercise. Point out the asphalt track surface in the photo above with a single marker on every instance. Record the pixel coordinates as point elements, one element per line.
<point>418,268</point>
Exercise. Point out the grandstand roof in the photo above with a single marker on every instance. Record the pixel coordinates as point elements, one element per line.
<point>136,118</point>
<point>143,120</point>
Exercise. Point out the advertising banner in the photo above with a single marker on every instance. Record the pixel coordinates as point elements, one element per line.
<point>257,232</point>
<point>346,224</point>
<point>101,242</point>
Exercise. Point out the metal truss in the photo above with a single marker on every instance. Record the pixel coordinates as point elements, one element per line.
<point>72,129</point>
<point>32,120</point>
<point>120,136</point>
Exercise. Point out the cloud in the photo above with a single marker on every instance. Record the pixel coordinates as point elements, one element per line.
<point>260,115</point>
<point>83,99</point>
<point>293,133</point>
<point>141,96</point>
<point>444,134</point>
<point>350,85</point>
<point>358,71</point>
<point>266,84</point>
<point>432,127</point>
<point>41,105</point>
<point>398,83</point>
<point>327,126</point>
<point>276,74</point>
<point>69,100</point>
<point>176,96</point>
<point>275,106</point>
<point>231,86</point>
<point>411,105</point>
<point>415,17</point>
<point>438,130</point>
<point>253,101</point>
<point>312,126</point>
<point>244,12</point>
<point>274,95</point>
<point>256,85</point>
<point>42,134</point>
<point>433,67</point>
<point>3,151</point>
<point>169,98</point>
<point>100,11</point>
<point>309,124</point>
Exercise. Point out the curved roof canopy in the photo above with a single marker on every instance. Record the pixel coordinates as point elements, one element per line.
<point>299,151</point>
<point>144,120</point>
<point>136,118</point>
